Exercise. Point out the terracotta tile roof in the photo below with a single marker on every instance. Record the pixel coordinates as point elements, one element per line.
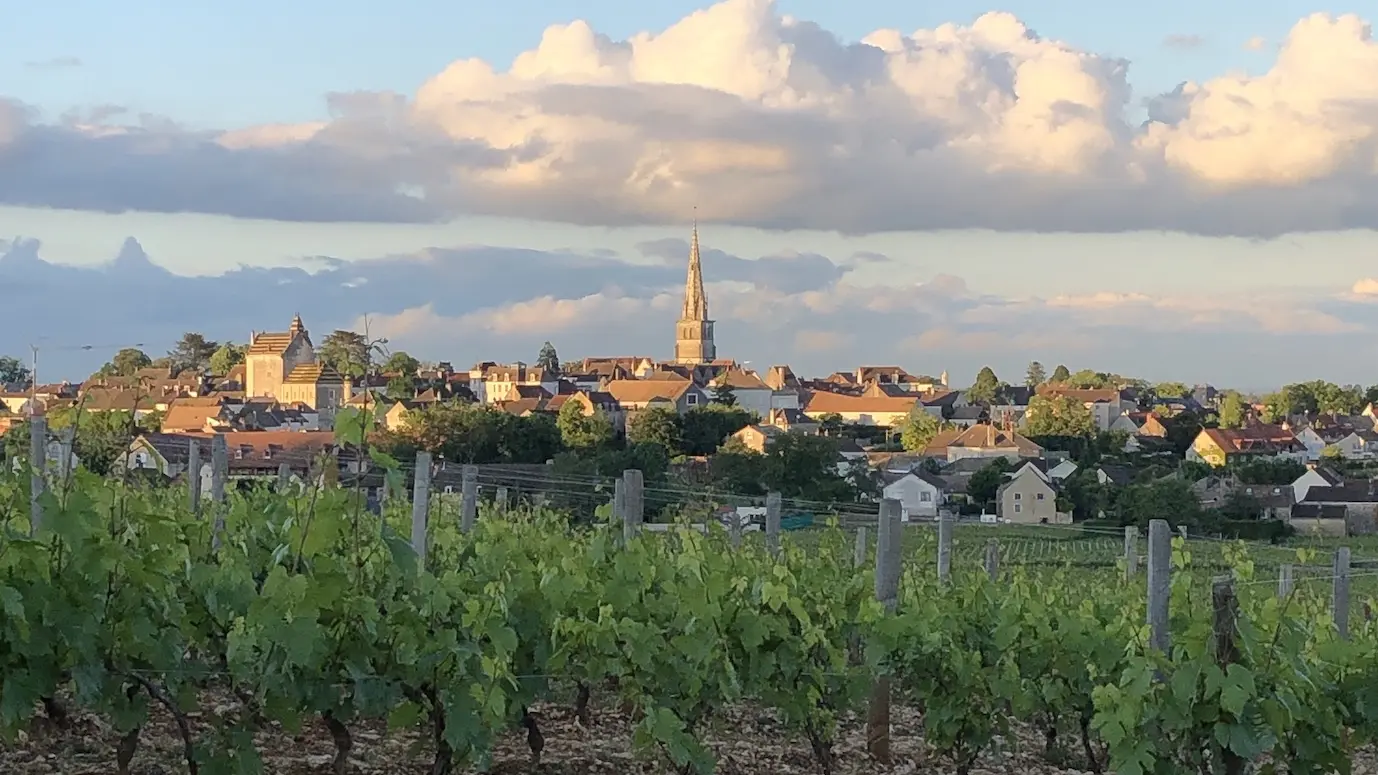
<point>982,437</point>
<point>741,380</point>
<point>183,417</point>
<point>271,343</point>
<point>1260,438</point>
<point>313,373</point>
<point>114,400</point>
<point>641,391</point>
<point>822,402</point>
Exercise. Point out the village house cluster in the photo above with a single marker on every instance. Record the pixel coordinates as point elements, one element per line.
<point>278,408</point>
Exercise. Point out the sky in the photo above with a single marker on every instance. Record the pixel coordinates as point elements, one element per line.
<point>1184,191</point>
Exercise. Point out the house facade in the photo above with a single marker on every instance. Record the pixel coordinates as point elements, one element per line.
<point>1029,499</point>
<point>920,493</point>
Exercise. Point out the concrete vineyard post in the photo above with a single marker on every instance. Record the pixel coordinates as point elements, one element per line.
<point>1159,583</point>
<point>38,464</point>
<point>635,506</point>
<point>773,523</point>
<point>945,548</point>
<point>420,505</point>
<point>888,546</point>
<point>194,476</point>
<point>1340,592</point>
<point>468,499</point>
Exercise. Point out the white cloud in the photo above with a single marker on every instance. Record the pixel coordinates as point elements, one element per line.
<point>1256,43</point>
<point>763,119</point>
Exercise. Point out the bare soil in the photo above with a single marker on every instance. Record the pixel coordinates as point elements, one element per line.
<point>745,740</point>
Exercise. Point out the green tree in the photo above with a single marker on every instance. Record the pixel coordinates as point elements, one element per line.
<point>531,439</point>
<point>1036,375</point>
<point>1276,407</point>
<point>125,363</point>
<point>1058,416</point>
<point>1089,379</point>
<point>1169,499</point>
<point>805,467</point>
<point>918,429</point>
<point>581,431</point>
<point>548,360</point>
<point>986,387</point>
<point>193,352</point>
<point>13,371</point>
<point>100,438</point>
<point>402,363</point>
<point>982,486</point>
<point>227,357</point>
<point>1232,410</point>
<point>657,425</point>
<point>346,352</point>
<point>724,395</point>
<point>1171,390</point>
<point>830,424</point>
<point>1060,374</point>
<point>703,429</point>
<point>401,387</point>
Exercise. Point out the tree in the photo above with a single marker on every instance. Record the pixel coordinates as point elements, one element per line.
<point>918,429</point>
<point>1036,375</point>
<point>830,424</point>
<point>986,387</point>
<point>1169,499</point>
<point>805,467</point>
<point>401,387</point>
<point>580,431</point>
<point>1232,410</point>
<point>703,429</point>
<point>193,352</point>
<point>13,370</point>
<point>1060,374</point>
<point>100,438</point>
<point>724,395</point>
<point>1171,390</point>
<point>548,360</point>
<point>403,364</point>
<point>227,357</point>
<point>655,425</point>
<point>1058,416</point>
<point>125,363</point>
<point>982,486</point>
<point>346,352</point>
<point>1089,379</point>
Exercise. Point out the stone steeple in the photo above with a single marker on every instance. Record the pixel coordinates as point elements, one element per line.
<point>296,326</point>
<point>694,332</point>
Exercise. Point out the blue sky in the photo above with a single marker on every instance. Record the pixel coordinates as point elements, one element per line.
<point>1220,212</point>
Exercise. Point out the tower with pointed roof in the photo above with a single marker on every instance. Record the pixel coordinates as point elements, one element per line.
<point>694,331</point>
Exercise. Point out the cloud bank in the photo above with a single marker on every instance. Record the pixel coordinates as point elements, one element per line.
<point>810,311</point>
<point>765,120</point>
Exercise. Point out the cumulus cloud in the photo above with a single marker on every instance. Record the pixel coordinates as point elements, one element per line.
<point>766,120</point>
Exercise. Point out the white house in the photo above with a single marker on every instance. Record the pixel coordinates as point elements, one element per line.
<point>1319,476</point>
<point>1313,442</point>
<point>919,493</point>
<point>750,392</point>
<point>1356,445</point>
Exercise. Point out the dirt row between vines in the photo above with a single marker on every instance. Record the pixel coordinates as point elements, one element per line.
<point>744,740</point>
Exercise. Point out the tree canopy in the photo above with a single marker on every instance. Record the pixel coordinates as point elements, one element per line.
<point>1058,416</point>
<point>918,429</point>
<point>1036,375</point>
<point>1232,410</point>
<point>13,370</point>
<point>227,357</point>
<point>583,431</point>
<point>403,364</point>
<point>192,352</point>
<point>658,425</point>
<point>1060,374</point>
<point>548,359</point>
<point>986,387</point>
<point>346,352</point>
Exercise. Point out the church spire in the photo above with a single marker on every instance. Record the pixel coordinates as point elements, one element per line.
<point>695,303</point>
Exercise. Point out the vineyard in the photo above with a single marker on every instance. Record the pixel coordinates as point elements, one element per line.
<point>284,613</point>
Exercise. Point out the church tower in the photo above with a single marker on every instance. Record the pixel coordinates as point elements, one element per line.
<point>694,331</point>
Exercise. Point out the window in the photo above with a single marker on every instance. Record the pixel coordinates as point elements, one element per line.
<point>691,399</point>
<point>1018,496</point>
<point>1040,496</point>
<point>449,489</point>
<point>1018,508</point>
<point>925,497</point>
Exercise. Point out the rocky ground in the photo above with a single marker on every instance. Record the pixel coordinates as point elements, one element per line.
<point>745,741</point>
